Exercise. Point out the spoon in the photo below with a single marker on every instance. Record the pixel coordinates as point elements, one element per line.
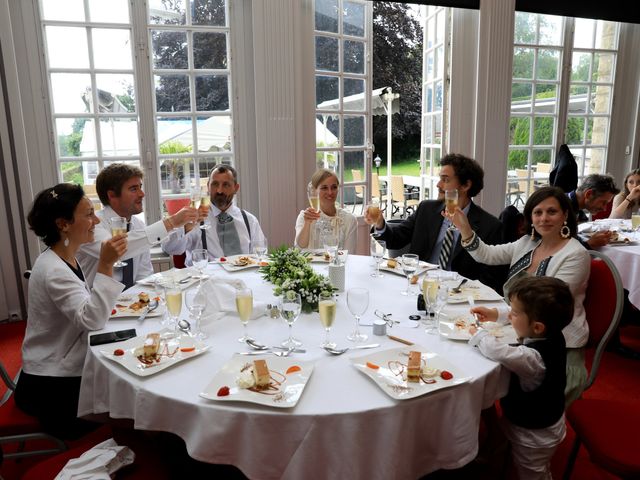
<point>472,303</point>
<point>259,346</point>
<point>284,353</point>
<point>458,289</point>
<point>185,327</point>
<point>185,279</point>
<point>153,304</point>
<point>340,351</point>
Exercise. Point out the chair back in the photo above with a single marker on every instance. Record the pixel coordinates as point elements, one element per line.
<point>524,185</point>
<point>357,177</point>
<point>603,304</point>
<point>543,167</point>
<point>397,188</point>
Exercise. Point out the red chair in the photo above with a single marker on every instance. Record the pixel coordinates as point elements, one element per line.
<point>601,425</point>
<point>16,427</point>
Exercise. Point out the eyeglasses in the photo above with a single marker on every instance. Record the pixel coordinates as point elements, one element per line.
<point>386,317</point>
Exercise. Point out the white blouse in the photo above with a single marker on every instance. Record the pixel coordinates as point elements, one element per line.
<point>347,226</point>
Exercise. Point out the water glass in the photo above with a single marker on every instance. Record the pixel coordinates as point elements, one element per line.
<point>378,249</point>
<point>260,249</point>
<point>196,301</point>
<point>357,302</point>
<point>441,301</point>
<point>244,306</point>
<point>290,307</point>
<point>430,285</point>
<point>327,307</point>
<point>200,260</point>
<point>409,267</point>
<point>330,244</point>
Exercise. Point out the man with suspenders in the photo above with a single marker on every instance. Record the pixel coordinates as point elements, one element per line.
<point>232,231</point>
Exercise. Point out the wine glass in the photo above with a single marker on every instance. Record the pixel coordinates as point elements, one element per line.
<point>173,299</point>
<point>358,302</point>
<point>330,243</point>
<point>312,194</point>
<point>373,209</point>
<point>327,308</point>
<point>200,259</point>
<point>451,203</point>
<point>260,249</point>
<point>378,248</point>
<point>196,301</point>
<point>409,267</point>
<point>441,300</point>
<point>244,305</point>
<point>430,286</point>
<point>205,201</point>
<point>118,227</point>
<point>290,307</point>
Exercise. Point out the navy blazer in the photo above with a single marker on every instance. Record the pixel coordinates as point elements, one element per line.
<point>421,231</point>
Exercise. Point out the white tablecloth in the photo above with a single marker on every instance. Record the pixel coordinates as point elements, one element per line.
<point>344,426</point>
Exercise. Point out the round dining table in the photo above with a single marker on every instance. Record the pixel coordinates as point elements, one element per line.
<point>343,425</point>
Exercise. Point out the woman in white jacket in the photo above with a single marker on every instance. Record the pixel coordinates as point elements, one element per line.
<point>550,250</point>
<point>63,309</point>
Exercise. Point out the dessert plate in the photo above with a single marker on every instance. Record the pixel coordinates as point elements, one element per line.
<point>458,329</point>
<point>390,375</point>
<point>479,292</point>
<point>286,388</point>
<point>185,277</point>
<point>127,306</point>
<point>319,256</point>
<point>235,263</point>
<point>397,269</point>
<point>175,350</point>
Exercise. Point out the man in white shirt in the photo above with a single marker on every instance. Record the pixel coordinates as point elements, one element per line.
<point>233,231</point>
<point>119,187</point>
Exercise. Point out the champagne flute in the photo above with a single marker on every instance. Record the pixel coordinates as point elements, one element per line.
<point>358,302</point>
<point>196,301</point>
<point>205,201</point>
<point>312,194</point>
<point>200,259</point>
<point>118,227</point>
<point>173,299</point>
<point>290,307</point>
<point>441,301</point>
<point>195,197</point>
<point>378,248</point>
<point>373,209</point>
<point>409,267</point>
<point>244,305</point>
<point>451,203</point>
<point>327,308</point>
<point>430,286</point>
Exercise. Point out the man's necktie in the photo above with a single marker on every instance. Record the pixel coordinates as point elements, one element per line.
<point>447,247</point>
<point>228,235</point>
<point>127,270</point>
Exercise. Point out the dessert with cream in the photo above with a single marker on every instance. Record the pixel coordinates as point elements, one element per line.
<point>143,297</point>
<point>151,345</point>
<point>261,374</point>
<point>414,366</point>
<point>392,262</point>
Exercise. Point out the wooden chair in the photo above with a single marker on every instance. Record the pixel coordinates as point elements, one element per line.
<point>607,428</point>
<point>401,199</point>
<point>377,193</point>
<point>543,167</point>
<point>358,189</point>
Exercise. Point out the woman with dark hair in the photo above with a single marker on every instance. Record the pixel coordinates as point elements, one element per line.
<point>550,250</point>
<point>62,308</point>
<point>628,200</point>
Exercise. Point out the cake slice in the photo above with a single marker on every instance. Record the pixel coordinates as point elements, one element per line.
<point>414,366</point>
<point>261,374</point>
<point>151,345</point>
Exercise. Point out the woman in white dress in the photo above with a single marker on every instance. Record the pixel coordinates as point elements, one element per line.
<point>308,230</point>
<point>63,309</point>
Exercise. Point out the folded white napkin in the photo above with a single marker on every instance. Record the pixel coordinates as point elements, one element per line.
<point>221,299</point>
<point>98,463</point>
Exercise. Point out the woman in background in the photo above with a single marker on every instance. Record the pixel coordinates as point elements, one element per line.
<point>628,200</point>
<point>343,222</point>
<point>63,309</point>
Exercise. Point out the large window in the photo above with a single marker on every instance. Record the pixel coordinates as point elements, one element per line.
<point>106,89</point>
<point>343,93</point>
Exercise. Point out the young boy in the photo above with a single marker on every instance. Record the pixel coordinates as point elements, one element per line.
<point>533,419</point>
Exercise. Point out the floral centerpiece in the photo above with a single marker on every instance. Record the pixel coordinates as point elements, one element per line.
<point>289,269</point>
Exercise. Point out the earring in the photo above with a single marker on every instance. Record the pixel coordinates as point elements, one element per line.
<point>533,233</point>
<point>565,232</point>
<point>66,242</point>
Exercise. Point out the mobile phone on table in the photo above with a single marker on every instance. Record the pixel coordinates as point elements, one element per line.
<point>111,337</point>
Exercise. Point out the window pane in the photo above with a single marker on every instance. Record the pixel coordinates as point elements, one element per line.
<point>521,97</point>
<point>525,28</point>
<point>428,128</point>
<point>429,97</point>
<point>353,161</point>
<point>438,96</point>
<point>112,48</point>
<point>353,57</point>
<point>326,53</point>
<point>169,49</point>
<point>168,13</point>
<point>327,92</point>
<point>327,159</point>
<point>550,30</point>
<point>594,160</point>
<point>519,131</point>
<point>543,130</point>
<point>431,33</point>
<point>212,92</point>
<point>71,92</point>
<point>546,99</point>
<point>580,64</point>
<point>606,35</point>
<point>548,64</point>
<point>327,15</point>
<point>603,67</point>
<point>175,134</point>
<point>327,130</point>
<point>354,94</point>
<point>73,140</point>
<point>176,174</point>
<point>542,156</point>
<point>353,20</point>
<point>214,134</point>
<point>119,136</point>
<point>437,124</point>
<point>517,159</point>
<point>578,99</point>
<point>208,12</point>
<point>439,61</point>
<point>66,10</point>
<point>440,26</point>
<point>600,99</point>
<point>77,172</point>
<point>597,133</point>
<point>172,93</point>
<point>575,130</point>
<point>209,50</point>
<point>117,93</point>
<point>583,33</point>
<point>353,131</point>
<point>67,47</point>
<point>523,63</point>
<point>430,67</point>
<point>113,11</point>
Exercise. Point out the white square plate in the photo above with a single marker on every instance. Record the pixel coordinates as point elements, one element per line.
<point>231,263</point>
<point>123,310</point>
<point>286,388</point>
<point>392,363</point>
<point>175,274</point>
<point>319,257</point>
<point>479,292</point>
<point>449,329</point>
<point>172,345</point>
<point>422,267</point>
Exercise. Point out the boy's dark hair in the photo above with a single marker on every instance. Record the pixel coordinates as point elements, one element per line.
<point>546,300</point>
<point>51,204</point>
<point>113,177</point>
<point>466,169</point>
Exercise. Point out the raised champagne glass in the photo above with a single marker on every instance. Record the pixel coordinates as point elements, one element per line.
<point>195,197</point>
<point>312,194</point>
<point>118,227</point>
<point>373,209</point>
<point>451,203</point>
<point>205,201</point>
<point>244,305</point>
<point>327,308</point>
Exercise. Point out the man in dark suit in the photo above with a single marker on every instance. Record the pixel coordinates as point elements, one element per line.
<point>426,229</point>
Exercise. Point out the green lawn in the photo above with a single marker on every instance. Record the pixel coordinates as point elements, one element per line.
<point>408,167</point>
